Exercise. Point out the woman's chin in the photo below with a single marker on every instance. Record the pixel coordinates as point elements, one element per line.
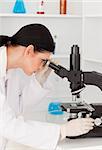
<point>28,73</point>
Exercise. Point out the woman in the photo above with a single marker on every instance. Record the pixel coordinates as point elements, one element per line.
<point>29,49</point>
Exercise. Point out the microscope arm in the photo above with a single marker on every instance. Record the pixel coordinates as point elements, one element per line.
<point>78,79</point>
<point>93,78</point>
<point>64,73</point>
<point>74,77</point>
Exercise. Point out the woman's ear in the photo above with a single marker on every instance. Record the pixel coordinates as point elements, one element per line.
<point>29,51</point>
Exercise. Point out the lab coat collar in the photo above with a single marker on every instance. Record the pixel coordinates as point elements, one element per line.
<point>3,61</point>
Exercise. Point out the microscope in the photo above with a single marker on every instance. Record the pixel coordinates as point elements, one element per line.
<point>78,80</point>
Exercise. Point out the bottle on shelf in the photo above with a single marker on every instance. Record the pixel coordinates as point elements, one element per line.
<point>63,6</point>
<point>41,7</point>
<point>19,7</point>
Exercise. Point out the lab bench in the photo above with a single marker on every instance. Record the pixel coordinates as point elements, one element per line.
<point>67,144</point>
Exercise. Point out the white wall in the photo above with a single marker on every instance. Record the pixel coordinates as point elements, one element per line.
<point>85,31</point>
<point>92,7</point>
<point>92,45</point>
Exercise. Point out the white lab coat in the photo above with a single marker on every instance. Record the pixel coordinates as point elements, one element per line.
<point>22,94</point>
<point>12,125</point>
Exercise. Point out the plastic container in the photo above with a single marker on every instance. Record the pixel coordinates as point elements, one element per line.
<point>63,6</point>
<point>55,113</point>
<point>19,7</point>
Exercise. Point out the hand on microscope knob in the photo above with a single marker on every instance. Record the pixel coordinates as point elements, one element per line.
<point>76,127</point>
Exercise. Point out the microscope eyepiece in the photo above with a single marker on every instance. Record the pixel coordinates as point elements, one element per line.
<point>53,66</point>
<point>75,58</point>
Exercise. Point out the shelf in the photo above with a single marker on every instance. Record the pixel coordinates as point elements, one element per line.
<point>67,56</point>
<point>49,15</point>
<point>92,60</point>
<point>39,16</point>
<point>60,56</point>
<point>93,16</point>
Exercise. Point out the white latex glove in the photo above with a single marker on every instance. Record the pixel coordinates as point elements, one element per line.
<point>76,127</point>
<point>43,74</point>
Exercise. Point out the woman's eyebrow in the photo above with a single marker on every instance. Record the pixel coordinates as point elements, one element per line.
<point>46,59</point>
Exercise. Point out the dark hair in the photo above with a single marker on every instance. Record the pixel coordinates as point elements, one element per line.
<point>35,34</point>
<point>4,40</point>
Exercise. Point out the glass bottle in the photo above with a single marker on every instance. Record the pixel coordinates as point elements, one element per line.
<point>41,7</point>
<point>63,6</point>
<point>19,7</point>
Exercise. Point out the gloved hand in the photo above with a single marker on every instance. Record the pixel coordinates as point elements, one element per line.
<point>76,127</point>
<point>43,74</point>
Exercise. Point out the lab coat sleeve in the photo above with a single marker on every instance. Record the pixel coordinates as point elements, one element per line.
<point>31,133</point>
